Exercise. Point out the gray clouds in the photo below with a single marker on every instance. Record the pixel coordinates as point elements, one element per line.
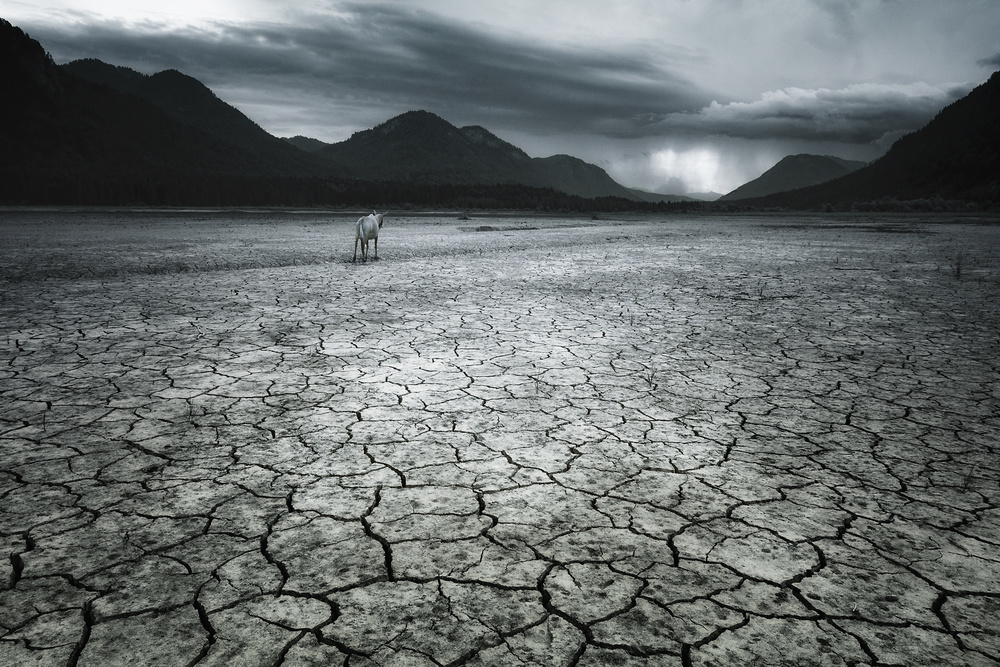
<point>374,60</point>
<point>861,113</point>
<point>371,61</point>
<point>993,61</point>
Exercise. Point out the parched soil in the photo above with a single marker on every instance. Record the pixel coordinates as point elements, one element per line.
<point>513,440</point>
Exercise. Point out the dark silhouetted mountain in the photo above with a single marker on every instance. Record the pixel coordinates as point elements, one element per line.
<point>643,195</point>
<point>421,147</point>
<point>25,67</point>
<point>569,174</point>
<point>307,144</point>
<point>70,140</point>
<point>92,133</point>
<point>956,156</point>
<point>64,129</point>
<point>189,101</point>
<point>793,172</point>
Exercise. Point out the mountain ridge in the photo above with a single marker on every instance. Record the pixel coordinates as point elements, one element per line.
<point>793,172</point>
<point>190,102</point>
<point>89,132</point>
<point>956,156</point>
<point>69,140</point>
<point>421,146</point>
<point>123,140</point>
<point>92,132</point>
<point>307,144</point>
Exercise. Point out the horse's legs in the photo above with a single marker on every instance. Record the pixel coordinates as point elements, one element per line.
<point>376,247</point>
<point>355,249</point>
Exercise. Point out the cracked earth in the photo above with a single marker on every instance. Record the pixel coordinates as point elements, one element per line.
<point>511,441</point>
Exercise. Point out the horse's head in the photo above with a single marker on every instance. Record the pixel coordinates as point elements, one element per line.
<point>378,216</point>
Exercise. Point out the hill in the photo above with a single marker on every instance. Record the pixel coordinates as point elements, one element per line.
<point>189,102</point>
<point>643,195</point>
<point>956,156</point>
<point>421,147</point>
<point>704,196</point>
<point>71,140</point>
<point>307,144</point>
<point>569,174</point>
<point>793,172</point>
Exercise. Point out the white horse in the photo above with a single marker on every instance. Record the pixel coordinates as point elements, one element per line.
<point>367,230</point>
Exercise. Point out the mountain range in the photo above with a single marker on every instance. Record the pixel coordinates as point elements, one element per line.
<point>956,156</point>
<point>793,172</point>
<point>423,147</point>
<point>307,144</point>
<point>92,133</point>
<point>417,146</point>
<point>68,140</point>
<point>420,146</point>
<point>189,102</point>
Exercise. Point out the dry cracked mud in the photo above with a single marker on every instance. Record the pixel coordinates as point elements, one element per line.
<point>511,441</point>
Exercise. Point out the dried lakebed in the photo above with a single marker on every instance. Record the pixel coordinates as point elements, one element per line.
<point>649,441</point>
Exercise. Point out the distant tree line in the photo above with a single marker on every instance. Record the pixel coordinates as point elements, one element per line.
<point>172,189</point>
<point>881,205</point>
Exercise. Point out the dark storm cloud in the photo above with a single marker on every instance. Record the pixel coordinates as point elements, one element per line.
<point>391,57</point>
<point>993,61</point>
<point>857,114</point>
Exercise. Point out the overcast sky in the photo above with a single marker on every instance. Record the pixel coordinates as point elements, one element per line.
<point>667,95</point>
